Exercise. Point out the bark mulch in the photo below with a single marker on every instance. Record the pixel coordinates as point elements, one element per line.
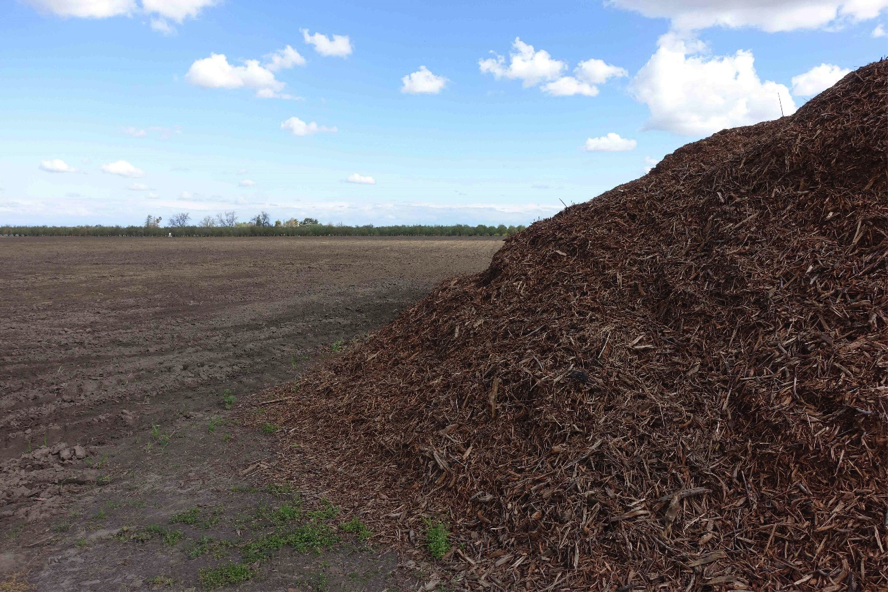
<point>681,384</point>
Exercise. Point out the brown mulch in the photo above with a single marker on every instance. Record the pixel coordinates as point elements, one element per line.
<point>680,385</point>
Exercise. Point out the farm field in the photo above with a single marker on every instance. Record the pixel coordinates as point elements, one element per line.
<point>118,362</point>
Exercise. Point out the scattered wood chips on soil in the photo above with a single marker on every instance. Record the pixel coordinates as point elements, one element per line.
<point>680,385</point>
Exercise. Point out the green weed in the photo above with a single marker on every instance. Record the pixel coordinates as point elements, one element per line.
<point>357,528</point>
<point>228,400</point>
<point>226,575</point>
<point>437,538</point>
<point>269,428</point>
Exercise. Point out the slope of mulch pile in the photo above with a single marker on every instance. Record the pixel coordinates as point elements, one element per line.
<point>681,384</point>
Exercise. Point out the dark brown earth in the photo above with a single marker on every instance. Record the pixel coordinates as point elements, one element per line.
<point>114,360</point>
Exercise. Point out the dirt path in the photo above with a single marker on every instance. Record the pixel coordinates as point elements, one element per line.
<point>118,467</point>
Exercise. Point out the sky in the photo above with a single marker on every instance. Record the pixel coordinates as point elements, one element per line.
<point>392,111</point>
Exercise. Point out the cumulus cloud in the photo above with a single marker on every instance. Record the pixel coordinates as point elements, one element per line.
<point>423,82</point>
<point>360,180</point>
<point>56,165</point>
<point>817,80</point>
<point>300,128</point>
<point>650,163</point>
<point>879,32</point>
<point>85,8</point>
<point>177,10</point>
<point>568,86</point>
<point>609,143</point>
<point>283,59</point>
<point>138,187</point>
<point>693,94</point>
<point>247,183</point>
<point>337,46</point>
<point>162,26</point>
<point>160,11</point>
<point>535,67</point>
<point>216,72</point>
<point>768,15</point>
<point>525,64</point>
<point>122,168</point>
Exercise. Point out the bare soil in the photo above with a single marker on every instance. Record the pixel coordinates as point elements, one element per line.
<point>115,358</point>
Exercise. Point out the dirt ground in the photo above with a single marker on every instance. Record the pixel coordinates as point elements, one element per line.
<point>120,361</point>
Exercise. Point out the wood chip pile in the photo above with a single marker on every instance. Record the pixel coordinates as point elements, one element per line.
<point>680,385</point>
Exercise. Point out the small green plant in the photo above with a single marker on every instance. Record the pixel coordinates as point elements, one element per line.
<point>226,438</point>
<point>269,428</point>
<point>281,489</point>
<point>337,345</point>
<point>226,575</point>
<point>101,515</point>
<point>437,538</point>
<point>81,543</point>
<point>190,517</point>
<point>169,537</point>
<point>316,582</point>
<point>161,581</point>
<point>228,400</point>
<point>357,528</point>
<point>214,423</point>
<point>159,438</point>
<point>62,527</point>
<point>327,512</point>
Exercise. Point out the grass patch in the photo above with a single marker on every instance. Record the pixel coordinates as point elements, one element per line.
<point>226,575</point>
<point>306,538</point>
<point>214,423</point>
<point>327,512</point>
<point>169,537</point>
<point>357,528</point>
<point>228,400</point>
<point>437,538</point>
<point>269,428</point>
<point>207,544</point>
<point>190,517</point>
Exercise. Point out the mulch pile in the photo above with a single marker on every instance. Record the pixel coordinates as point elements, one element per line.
<point>680,385</point>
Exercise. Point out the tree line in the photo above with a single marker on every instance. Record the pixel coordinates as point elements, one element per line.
<point>228,225</point>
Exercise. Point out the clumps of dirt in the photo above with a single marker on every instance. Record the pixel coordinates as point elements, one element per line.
<point>681,384</point>
<point>33,483</point>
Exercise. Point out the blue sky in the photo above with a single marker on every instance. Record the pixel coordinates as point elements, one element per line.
<point>111,110</point>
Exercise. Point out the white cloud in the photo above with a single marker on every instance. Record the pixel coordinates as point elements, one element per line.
<point>216,72</point>
<point>138,187</point>
<point>160,11</point>
<point>568,86</point>
<point>338,46</point>
<point>360,180</point>
<point>85,8</point>
<point>879,32</point>
<point>300,128</point>
<point>817,80</point>
<point>586,75</point>
<point>423,82</point>
<point>768,15</point>
<point>247,183</point>
<point>650,163</point>
<point>56,165</point>
<point>122,168</point>
<point>162,26</point>
<point>267,93</point>
<point>186,195</point>
<point>609,143</point>
<point>134,132</point>
<point>597,71</point>
<point>697,95</point>
<point>177,10</point>
<point>529,66</point>
<point>283,59</point>
<point>152,195</point>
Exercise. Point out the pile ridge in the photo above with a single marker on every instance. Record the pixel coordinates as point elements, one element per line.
<point>680,384</point>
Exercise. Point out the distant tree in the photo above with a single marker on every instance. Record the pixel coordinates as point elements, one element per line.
<point>309,222</point>
<point>179,220</point>
<point>208,222</point>
<point>228,219</point>
<point>278,223</point>
<point>502,230</point>
<point>291,223</point>
<point>262,219</point>
<point>152,222</point>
